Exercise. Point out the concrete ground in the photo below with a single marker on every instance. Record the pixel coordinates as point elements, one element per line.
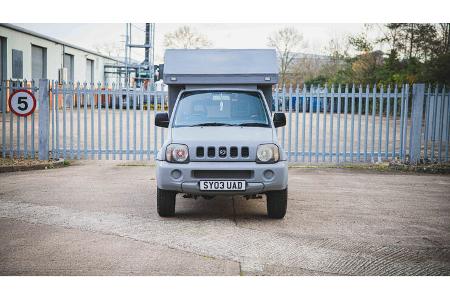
<point>99,218</point>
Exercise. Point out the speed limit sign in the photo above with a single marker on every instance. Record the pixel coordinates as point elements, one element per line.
<point>22,103</point>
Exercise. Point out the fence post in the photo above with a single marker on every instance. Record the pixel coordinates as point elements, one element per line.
<point>44,124</point>
<point>418,98</point>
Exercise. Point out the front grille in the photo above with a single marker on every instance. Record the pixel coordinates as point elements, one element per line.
<point>200,152</point>
<point>233,152</point>
<point>244,152</point>
<point>211,152</point>
<point>221,153</point>
<point>223,174</point>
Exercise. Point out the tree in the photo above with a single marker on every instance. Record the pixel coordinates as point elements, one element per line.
<point>338,48</point>
<point>412,40</point>
<point>444,37</point>
<point>438,70</point>
<point>404,52</point>
<point>306,67</point>
<point>287,41</point>
<point>390,36</point>
<point>365,66</point>
<point>338,69</point>
<point>361,43</point>
<point>186,37</point>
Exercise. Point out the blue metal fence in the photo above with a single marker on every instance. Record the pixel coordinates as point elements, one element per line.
<point>112,122</point>
<point>17,133</point>
<point>334,124</point>
<point>356,123</point>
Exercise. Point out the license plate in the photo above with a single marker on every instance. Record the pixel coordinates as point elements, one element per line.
<point>222,185</point>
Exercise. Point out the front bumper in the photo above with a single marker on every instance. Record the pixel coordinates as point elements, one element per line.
<point>188,183</point>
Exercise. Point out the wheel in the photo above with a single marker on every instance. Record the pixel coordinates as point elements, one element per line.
<point>277,204</point>
<point>165,202</point>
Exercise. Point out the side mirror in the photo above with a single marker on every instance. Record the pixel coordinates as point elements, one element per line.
<point>279,119</point>
<point>162,120</point>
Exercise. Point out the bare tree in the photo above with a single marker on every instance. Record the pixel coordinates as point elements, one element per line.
<point>287,41</point>
<point>186,37</point>
<point>337,52</point>
<point>305,68</point>
<point>338,48</point>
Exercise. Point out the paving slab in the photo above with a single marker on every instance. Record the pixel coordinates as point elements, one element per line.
<point>99,218</point>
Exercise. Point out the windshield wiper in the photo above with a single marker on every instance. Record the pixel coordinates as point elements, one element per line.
<point>210,124</point>
<point>252,125</point>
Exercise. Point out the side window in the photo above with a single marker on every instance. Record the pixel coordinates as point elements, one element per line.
<point>17,64</point>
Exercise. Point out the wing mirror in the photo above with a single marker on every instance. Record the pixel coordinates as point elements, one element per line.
<point>162,120</point>
<point>279,119</point>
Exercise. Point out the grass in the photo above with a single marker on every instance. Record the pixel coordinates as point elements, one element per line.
<point>20,164</point>
<point>393,166</point>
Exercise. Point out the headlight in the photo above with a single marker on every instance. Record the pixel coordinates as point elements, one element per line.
<point>267,153</point>
<point>177,153</point>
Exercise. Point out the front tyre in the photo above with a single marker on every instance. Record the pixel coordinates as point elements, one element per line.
<point>277,204</point>
<point>165,201</point>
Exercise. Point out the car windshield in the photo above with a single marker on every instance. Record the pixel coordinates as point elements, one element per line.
<point>221,108</point>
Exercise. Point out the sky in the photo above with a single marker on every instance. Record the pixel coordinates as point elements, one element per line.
<point>222,35</point>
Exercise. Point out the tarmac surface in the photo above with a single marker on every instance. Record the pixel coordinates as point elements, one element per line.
<point>99,218</point>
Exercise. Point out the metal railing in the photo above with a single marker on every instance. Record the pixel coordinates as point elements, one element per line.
<point>17,133</point>
<point>335,124</point>
<point>112,122</point>
<point>356,123</point>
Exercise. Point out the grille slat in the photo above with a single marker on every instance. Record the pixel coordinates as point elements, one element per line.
<point>211,152</point>
<point>223,174</point>
<point>244,152</point>
<point>233,151</point>
<point>200,152</point>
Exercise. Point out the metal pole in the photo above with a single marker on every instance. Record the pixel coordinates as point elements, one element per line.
<point>416,121</point>
<point>44,113</point>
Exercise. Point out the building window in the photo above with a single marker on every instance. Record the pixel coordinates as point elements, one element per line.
<point>38,63</point>
<point>2,59</point>
<point>89,70</point>
<point>68,64</point>
<point>17,64</point>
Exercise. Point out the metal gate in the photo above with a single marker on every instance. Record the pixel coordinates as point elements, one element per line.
<point>337,124</point>
<point>110,122</point>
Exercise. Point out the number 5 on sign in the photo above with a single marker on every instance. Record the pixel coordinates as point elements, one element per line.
<point>22,103</point>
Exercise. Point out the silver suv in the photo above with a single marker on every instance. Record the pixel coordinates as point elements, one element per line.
<point>221,141</point>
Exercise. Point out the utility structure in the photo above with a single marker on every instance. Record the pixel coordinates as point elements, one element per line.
<point>143,71</point>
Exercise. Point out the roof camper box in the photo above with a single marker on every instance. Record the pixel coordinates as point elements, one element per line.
<point>220,68</point>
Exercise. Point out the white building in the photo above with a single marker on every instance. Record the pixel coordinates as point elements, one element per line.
<point>25,54</point>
